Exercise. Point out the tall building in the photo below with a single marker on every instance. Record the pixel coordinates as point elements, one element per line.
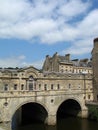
<point>95,68</point>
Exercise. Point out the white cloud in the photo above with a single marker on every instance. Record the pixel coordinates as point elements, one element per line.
<point>19,61</point>
<point>52,21</point>
<point>79,48</point>
<point>25,20</point>
<point>12,61</point>
<point>89,25</point>
<point>73,8</point>
<point>75,50</point>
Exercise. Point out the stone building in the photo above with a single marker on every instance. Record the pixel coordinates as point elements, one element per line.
<point>95,68</point>
<point>64,64</point>
<point>61,81</point>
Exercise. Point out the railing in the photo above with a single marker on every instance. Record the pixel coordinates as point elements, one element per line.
<point>28,93</point>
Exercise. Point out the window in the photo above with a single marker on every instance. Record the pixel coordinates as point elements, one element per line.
<point>79,86</point>
<point>15,86</point>
<point>6,87</point>
<point>52,100</point>
<point>62,70</point>
<point>89,96</point>
<point>31,78</point>
<point>15,74</point>
<point>45,87</point>
<point>58,86</point>
<point>97,97</point>
<point>31,83</point>
<point>31,86</point>
<point>52,86</point>
<point>22,87</point>
<point>5,104</point>
<point>69,86</point>
<point>22,74</point>
<point>34,85</point>
<point>39,86</point>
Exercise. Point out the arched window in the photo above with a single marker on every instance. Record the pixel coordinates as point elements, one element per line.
<point>30,77</point>
<point>31,83</point>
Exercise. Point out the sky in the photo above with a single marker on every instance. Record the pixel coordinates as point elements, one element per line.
<point>32,29</point>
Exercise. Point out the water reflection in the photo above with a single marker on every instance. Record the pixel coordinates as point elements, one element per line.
<point>70,123</point>
<point>37,127</point>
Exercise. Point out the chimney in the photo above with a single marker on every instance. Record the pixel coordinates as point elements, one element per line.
<point>67,57</point>
<point>96,42</point>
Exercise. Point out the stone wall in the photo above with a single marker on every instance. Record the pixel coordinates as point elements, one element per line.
<point>95,68</point>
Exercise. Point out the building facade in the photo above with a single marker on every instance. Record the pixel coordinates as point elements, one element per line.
<point>61,79</point>
<point>95,68</point>
<point>63,64</point>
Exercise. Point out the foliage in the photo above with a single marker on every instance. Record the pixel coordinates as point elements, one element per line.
<point>93,113</point>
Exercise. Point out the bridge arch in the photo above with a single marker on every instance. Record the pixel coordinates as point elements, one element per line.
<point>69,107</point>
<point>29,112</point>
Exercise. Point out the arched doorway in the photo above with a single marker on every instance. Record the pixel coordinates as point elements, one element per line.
<point>68,108</point>
<point>29,113</point>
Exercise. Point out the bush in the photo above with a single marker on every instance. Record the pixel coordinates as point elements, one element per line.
<point>93,113</point>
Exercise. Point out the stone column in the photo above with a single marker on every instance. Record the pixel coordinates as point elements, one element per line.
<point>84,113</point>
<point>51,120</point>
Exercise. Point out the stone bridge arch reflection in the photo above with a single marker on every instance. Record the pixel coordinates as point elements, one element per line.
<point>29,113</point>
<point>69,107</point>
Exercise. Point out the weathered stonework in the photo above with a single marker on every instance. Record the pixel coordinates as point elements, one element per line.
<point>95,68</point>
<point>60,79</point>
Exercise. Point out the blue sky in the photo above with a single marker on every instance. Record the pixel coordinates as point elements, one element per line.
<point>32,29</point>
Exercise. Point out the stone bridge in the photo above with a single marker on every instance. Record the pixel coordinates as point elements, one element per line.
<point>44,107</point>
<point>28,95</point>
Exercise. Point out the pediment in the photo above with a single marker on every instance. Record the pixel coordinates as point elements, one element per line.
<point>30,71</point>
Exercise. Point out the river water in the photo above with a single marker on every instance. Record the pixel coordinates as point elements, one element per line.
<point>65,124</point>
<point>70,123</point>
